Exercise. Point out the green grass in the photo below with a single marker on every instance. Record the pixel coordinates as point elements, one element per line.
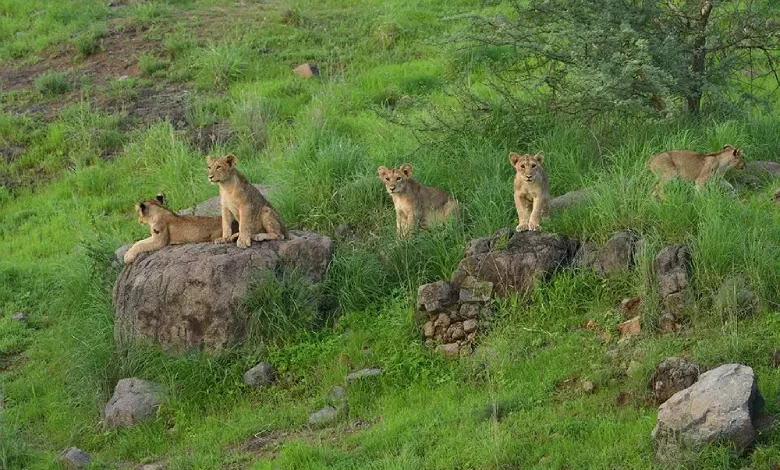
<point>319,143</point>
<point>52,83</point>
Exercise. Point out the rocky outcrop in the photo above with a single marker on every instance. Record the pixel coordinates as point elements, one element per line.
<point>672,268</point>
<point>188,296</point>
<point>516,264</point>
<point>671,376</point>
<point>134,401</point>
<point>718,408</point>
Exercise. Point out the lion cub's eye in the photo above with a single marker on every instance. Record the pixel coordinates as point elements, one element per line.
<point>398,178</point>
<point>533,165</point>
<point>522,166</point>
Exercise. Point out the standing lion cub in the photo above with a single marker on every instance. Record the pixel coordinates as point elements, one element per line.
<point>415,203</point>
<point>241,201</point>
<point>532,190</point>
<point>168,228</point>
<point>693,166</point>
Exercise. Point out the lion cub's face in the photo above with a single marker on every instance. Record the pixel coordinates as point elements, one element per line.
<point>529,167</point>
<point>734,156</point>
<point>396,179</point>
<point>220,169</point>
<point>147,209</point>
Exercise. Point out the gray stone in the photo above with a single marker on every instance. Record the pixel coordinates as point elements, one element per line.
<point>429,329</point>
<point>474,291</point>
<point>455,332</point>
<point>470,325</point>
<point>152,466</point>
<point>449,349</point>
<point>435,297</point>
<point>734,299</point>
<point>343,231</point>
<point>718,408</point>
<point>529,256</point>
<point>20,317</point>
<point>189,296</point>
<point>324,416</point>
<point>469,311</point>
<point>486,244</point>
<point>212,208</point>
<point>570,199</point>
<point>586,256</point>
<point>260,375</point>
<point>671,376</point>
<point>74,457</point>
<point>363,374</point>
<point>338,395</point>
<point>119,254</point>
<point>617,255</point>
<point>134,401</point>
<point>672,268</point>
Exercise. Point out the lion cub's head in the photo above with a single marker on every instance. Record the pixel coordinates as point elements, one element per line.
<point>529,167</point>
<point>221,168</point>
<point>733,156</point>
<point>396,179</point>
<point>147,209</point>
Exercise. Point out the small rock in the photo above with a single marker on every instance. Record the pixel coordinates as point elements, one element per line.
<point>672,267</point>
<point>672,375</point>
<point>469,310</point>
<point>668,324</point>
<point>134,400</point>
<point>343,231</point>
<point>617,255</point>
<point>362,374</point>
<point>588,387</point>
<point>324,416</point>
<point>306,70</point>
<point>260,375</point>
<point>470,325</point>
<point>429,329</point>
<point>585,257</point>
<point>570,199</point>
<point>338,394</point>
<point>474,291</point>
<point>435,297</point>
<point>455,332</point>
<point>442,321</point>
<point>449,349</point>
<point>630,307</point>
<point>152,466</point>
<point>630,328</point>
<point>20,317</point>
<point>74,457</point>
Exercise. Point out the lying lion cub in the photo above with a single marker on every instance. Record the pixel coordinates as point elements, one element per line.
<point>241,201</point>
<point>693,166</point>
<point>415,203</point>
<point>532,191</point>
<point>168,228</point>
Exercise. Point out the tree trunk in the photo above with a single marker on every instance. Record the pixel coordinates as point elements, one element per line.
<point>698,61</point>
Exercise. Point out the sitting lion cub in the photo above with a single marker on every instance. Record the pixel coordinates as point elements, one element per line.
<point>532,191</point>
<point>168,228</point>
<point>415,203</point>
<point>693,166</point>
<point>239,200</point>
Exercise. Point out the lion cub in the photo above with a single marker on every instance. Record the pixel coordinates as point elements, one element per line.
<point>168,228</point>
<point>532,191</point>
<point>693,166</point>
<point>415,203</point>
<point>241,201</point>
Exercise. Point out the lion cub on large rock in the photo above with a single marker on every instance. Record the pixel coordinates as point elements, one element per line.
<point>415,203</point>
<point>168,228</point>
<point>693,166</point>
<point>241,201</point>
<point>532,190</point>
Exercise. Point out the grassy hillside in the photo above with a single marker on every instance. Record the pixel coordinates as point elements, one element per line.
<point>103,106</point>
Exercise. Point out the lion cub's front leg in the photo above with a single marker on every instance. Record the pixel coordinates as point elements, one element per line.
<point>227,230</point>
<point>158,240</point>
<point>404,223</point>
<point>538,210</point>
<point>522,213</point>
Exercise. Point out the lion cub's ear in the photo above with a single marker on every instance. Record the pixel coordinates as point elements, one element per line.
<point>539,157</point>
<point>513,159</point>
<point>231,160</point>
<point>160,198</point>
<point>382,170</point>
<point>406,170</point>
<point>728,147</point>
<point>209,159</point>
<point>143,208</point>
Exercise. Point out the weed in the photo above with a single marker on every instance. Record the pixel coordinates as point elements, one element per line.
<point>52,83</point>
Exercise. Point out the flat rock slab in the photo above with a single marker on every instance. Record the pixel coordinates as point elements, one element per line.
<point>362,374</point>
<point>718,408</point>
<point>188,296</point>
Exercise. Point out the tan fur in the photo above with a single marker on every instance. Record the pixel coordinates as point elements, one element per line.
<point>241,201</point>
<point>168,228</point>
<point>692,166</point>
<point>415,203</point>
<point>532,190</point>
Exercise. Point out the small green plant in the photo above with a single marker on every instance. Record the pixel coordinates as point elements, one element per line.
<point>52,83</point>
<point>219,66</point>
<point>151,65</point>
<point>89,42</point>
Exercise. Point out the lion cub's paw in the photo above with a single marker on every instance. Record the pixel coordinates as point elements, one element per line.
<point>220,241</point>
<point>533,226</point>
<point>521,228</point>
<point>244,242</point>
<point>129,257</point>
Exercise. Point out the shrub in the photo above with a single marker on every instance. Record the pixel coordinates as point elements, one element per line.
<point>52,83</point>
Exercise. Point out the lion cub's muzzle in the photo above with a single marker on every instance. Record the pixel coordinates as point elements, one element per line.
<point>529,178</point>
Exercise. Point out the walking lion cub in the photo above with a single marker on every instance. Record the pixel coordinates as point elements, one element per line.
<point>414,202</point>
<point>168,228</point>
<point>693,166</point>
<point>241,201</point>
<point>532,190</point>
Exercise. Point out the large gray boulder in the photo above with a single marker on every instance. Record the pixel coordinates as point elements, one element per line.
<point>188,296</point>
<point>134,401</point>
<point>527,256</point>
<point>718,408</point>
